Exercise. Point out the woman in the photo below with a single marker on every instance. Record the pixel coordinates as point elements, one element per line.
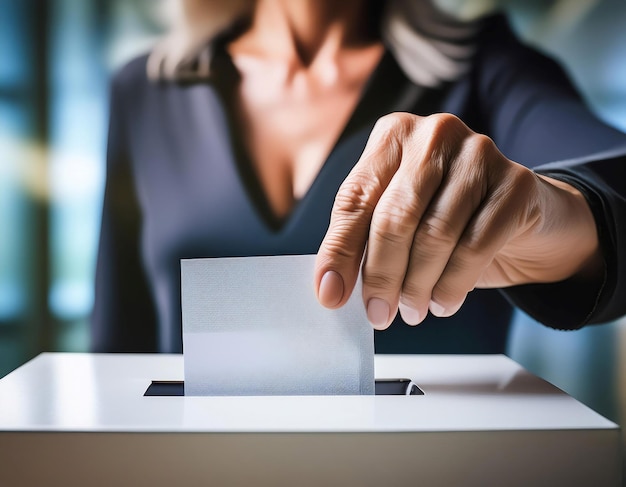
<point>460,158</point>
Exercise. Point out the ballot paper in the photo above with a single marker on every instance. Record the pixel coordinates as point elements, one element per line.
<point>253,326</point>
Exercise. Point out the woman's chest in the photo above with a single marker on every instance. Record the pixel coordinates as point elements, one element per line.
<point>288,139</point>
<point>198,197</point>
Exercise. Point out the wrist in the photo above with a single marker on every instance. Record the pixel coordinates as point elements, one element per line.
<point>569,221</point>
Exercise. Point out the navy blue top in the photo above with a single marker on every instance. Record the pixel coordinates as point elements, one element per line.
<point>179,185</point>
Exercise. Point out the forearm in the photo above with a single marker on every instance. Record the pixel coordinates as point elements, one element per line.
<point>562,242</point>
<point>595,297</point>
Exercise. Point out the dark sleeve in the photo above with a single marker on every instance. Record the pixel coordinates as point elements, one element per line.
<point>538,119</point>
<point>123,318</point>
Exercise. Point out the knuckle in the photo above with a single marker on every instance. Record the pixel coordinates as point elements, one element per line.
<point>523,196</point>
<point>412,292</point>
<point>473,245</point>
<point>446,127</point>
<point>443,133</point>
<point>482,146</point>
<point>515,193</point>
<point>350,218</point>
<point>388,134</point>
<point>379,280</point>
<point>444,122</point>
<point>394,124</point>
<point>459,278</point>
<point>523,179</point>
<point>436,234</point>
<point>461,264</point>
<point>338,245</point>
<point>355,195</point>
<point>480,153</point>
<point>395,218</point>
<point>446,294</point>
<point>384,233</point>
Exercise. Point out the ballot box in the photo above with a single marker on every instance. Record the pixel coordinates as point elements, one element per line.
<point>83,419</point>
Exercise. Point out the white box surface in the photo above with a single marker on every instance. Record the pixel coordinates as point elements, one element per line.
<point>82,419</point>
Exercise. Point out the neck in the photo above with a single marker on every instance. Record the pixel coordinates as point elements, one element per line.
<point>303,29</point>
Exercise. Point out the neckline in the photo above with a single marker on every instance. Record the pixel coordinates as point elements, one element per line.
<point>387,90</point>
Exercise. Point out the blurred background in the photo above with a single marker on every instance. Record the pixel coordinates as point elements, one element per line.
<point>56,58</point>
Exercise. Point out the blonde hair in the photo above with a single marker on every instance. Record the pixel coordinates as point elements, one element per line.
<point>429,43</point>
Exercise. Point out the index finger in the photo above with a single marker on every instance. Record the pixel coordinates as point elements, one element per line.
<point>341,251</point>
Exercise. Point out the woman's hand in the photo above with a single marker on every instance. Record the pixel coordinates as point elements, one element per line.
<point>442,212</point>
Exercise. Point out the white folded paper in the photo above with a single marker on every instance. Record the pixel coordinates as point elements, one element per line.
<point>253,326</point>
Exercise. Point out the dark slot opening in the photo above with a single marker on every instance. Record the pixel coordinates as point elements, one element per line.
<point>383,387</point>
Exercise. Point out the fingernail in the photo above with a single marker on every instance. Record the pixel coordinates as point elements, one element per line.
<point>437,309</point>
<point>411,316</point>
<point>331,289</point>
<point>377,312</point>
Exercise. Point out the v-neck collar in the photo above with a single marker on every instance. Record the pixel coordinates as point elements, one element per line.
<point>387,90</point>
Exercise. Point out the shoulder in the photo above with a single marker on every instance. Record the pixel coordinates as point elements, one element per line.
<point>135,96</point>
<point>136,92</point>
<point>131,77</point>
<point>502,61</point>
<point>497,37</point>
<point>500,47</point>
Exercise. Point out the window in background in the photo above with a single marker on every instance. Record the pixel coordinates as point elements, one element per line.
<point>57,58</point>
<point>588,36</point>
<point>21,189</point>
<point>77,78</point>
